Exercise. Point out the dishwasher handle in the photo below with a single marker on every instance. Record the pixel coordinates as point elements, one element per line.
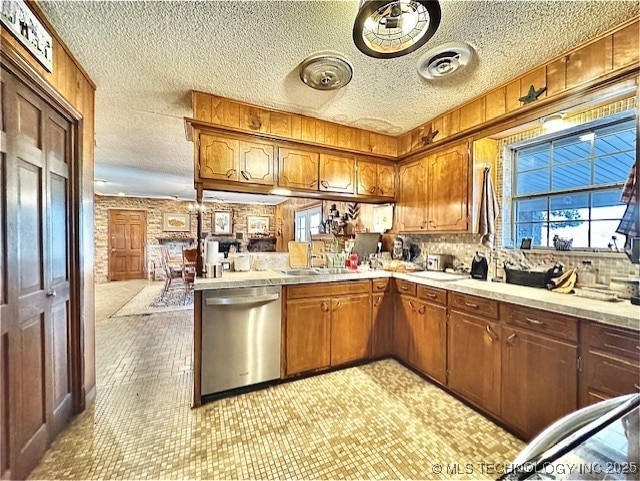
<point>236,301</point>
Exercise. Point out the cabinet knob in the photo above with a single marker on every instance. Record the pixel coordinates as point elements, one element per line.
<point>51,294</point>
<point>372,190</point>
<point>324,307</point>
<point>378,301</point>
<point>324,184</point>
<point>230,172</point>
<point>313,184</point>
<point>244,174</point>
<point>422,310</point>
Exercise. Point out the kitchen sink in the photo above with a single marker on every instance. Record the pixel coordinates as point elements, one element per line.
<point>300,272</point>
<point>335,270</point>
<point>439,276</point>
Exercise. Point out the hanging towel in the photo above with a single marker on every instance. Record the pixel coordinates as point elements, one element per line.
<point>629,223</point>
<point>489,210</point>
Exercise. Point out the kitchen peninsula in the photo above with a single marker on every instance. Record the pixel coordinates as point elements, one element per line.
<point>521,355</point>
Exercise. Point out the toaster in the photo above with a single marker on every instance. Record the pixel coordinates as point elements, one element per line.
<point>439,262</point>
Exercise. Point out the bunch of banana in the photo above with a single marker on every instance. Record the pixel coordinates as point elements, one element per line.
<point>564,283</point>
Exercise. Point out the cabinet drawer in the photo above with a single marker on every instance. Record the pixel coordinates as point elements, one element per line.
<point>617,341</point>
<point>610,375</point>
<point>328,289</point>
<point>405,287</point>
<point>474,305</point>
<point>380,285</point>
<point>431,294</point>
<point>540,321</point>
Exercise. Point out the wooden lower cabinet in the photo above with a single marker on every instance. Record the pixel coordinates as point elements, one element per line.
<point>428,336</point>
<point>539,380</point>
<point>350,329</point>
<point>474,360</point>
<point>308,335</point>
<point>402,314</point>
<point>382,324</point>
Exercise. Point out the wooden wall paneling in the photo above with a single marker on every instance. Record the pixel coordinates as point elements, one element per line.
<point>537,78</point>
<point>495,103</point>
<point>308,129</point>
<point>556,76</point>
<point>472,114</point>
<point>330,134</point>
<point>512,95</point>
<point>320,135</point>
<point>202,106</point>
<point>450,123</point>
<point>416,136</point>
<point>296,127</point>
<point>590,61</point>
<point>346,137</point>
<point>280,124</point>
<point>404,143</point>
<point>254,118</point>
<point>626,46</point>
<point>363,140</point>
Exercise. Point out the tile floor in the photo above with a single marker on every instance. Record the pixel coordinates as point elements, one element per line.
<point>377,421</point>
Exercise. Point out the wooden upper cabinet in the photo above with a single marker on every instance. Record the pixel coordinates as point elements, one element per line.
<point>218,158</point>
<point>412,197</point>
<point>376,179</point>
<point>386,180</point>
<point>256,163</point>
<point>298,169</point>
<point>367,178</point>
<point>448,190</point>
<point>337,174</point>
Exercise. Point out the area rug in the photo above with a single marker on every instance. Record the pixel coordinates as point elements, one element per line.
<point>150,301</point>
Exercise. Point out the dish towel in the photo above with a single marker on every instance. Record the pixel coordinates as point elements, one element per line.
<point>629,222</point>
<point>489,210</point>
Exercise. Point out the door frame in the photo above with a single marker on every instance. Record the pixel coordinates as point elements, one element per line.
<point>144,240</point>
<point>32,79</point>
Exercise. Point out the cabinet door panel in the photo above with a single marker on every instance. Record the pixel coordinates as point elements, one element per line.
<point>386,180</point>
<point>539,380</point>
<point>308,334</point>
<point>218,158</point>
<point>474,360</point>
<point>412,198</point>
<point>337,174</point>
<point>367,178</point>
<point>402,314</point>
<point>427,350</point>
<point>256,163</point>
<point>350,329</point>
<point>448,190</point>
<point>298,169</point>
<point>610,375</point>
<point>382,320</point>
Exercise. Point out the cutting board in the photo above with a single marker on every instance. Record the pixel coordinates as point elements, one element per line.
<point>298,254</point>
<point>318,251</point>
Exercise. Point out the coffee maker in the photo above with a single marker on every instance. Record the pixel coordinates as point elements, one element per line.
<point>398,249</point>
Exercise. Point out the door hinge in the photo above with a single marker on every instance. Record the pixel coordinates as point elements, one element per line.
<point>579,364</point>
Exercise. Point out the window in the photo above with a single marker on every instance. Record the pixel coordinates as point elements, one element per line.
<point>570,186</point>
<point>307,221</point>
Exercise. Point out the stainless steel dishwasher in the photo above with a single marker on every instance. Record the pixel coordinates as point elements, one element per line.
<point>241,335</point>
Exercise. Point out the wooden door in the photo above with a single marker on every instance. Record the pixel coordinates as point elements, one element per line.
<point>448,190</point>
<point>308,335</point>
<point>403,310</point>
<point>127,240</point>
<point>298,169</point>
<point>7,311</point>
<point>386,180</point>
<point>412,198</point>
<point>382,325</point>
<point>474,360</point>
<point>337,174</point>
<point>350,329</point>
<point>218,158</point>
<point>428,348</point>
<point>539,380</point>
<point>256,163</point>
<point>367,178</point>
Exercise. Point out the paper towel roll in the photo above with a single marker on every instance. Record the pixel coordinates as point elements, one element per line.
<point>212,255</point>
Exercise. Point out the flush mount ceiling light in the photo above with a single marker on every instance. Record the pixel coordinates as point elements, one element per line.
<point>392,28</point>
<point>326,71</point>
<point>553,123</point>
<point>445,60</point>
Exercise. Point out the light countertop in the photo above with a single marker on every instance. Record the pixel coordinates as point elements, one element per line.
<point>621,314</point>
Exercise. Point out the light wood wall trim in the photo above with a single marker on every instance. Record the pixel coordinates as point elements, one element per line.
<point>212,110</point>
<point>613,54</point>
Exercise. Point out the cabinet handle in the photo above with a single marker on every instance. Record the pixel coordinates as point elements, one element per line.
<point>324,307</point>
<point>312,184</point>
<point>423,224</point>
<point>492,335</point>
<point>324,184</point>
<point>337,306</point>
<point>372,190</point>
<point>404,288</point>
<point>244,174</point>
<point>378,301</point>
<point>230,172</point>
<point>511,339</point>
<point>413,308</point>
<point>471,304</point>
<point>637,386</point>
<point>535,322</point>
<point>380,287</point>
<point>422,309</point>
<point>432,296</point>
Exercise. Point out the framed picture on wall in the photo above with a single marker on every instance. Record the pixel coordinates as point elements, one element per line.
<point>221,222</point>
<point>176,222</point>
<point>257,225</point>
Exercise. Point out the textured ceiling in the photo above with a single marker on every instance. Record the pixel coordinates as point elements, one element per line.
<point>145,57</point>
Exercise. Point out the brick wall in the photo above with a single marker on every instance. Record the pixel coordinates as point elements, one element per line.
<point>155,208</point>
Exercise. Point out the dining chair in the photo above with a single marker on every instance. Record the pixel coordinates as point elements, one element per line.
<point>171,272</point>
<point>189,257</point>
